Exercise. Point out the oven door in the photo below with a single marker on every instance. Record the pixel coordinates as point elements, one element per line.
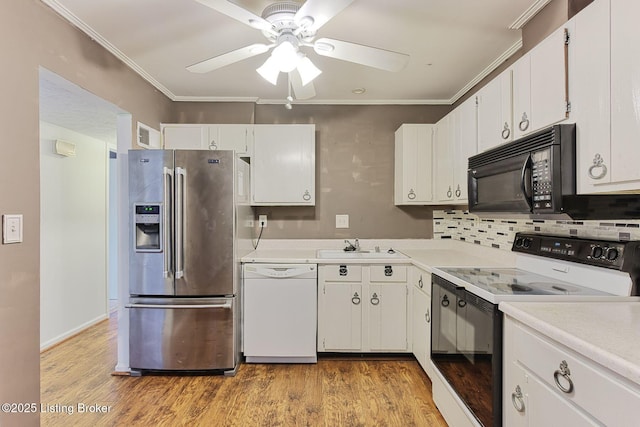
<point>466,348</point>
<point>502,186</point>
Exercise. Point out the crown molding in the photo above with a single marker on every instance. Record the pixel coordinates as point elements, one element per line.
<point>528,14</point>
<point>78,23</point>
<point>484,73</point>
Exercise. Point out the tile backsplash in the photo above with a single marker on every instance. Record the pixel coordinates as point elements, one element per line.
<point>499,232</point>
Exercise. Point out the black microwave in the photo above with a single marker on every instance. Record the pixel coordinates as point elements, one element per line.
<point>530,175</point>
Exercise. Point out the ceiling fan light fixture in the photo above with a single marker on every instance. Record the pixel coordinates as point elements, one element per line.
<point>269,70</point>
<point>308,71</point>
<point>286,56</point>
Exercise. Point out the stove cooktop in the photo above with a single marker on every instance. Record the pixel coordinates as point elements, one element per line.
<point>513,281</point>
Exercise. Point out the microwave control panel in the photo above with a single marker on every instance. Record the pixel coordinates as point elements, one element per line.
<point>541,178</point>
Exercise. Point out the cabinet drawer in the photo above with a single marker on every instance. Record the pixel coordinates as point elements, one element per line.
<point>388,273</point>
<point>585,383</point>
<point>341,273</point>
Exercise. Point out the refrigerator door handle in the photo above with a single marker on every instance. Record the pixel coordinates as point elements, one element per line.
<point>181,175</point>
<point>226,305</point>
<point>167,175</point>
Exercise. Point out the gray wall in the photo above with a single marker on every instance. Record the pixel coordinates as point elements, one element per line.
<point>32,35</point>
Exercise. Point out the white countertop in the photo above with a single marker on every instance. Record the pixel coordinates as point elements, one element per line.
<point>425,253</point>
<point>606,332</point>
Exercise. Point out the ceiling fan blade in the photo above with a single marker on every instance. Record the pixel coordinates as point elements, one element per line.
<point>239,14</point>
<point>360,54</point>
<point>228,58</point>
<point>301,92</point>
<point>320,11</point>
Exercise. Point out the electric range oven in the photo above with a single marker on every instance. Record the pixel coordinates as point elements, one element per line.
<point>467,326</point>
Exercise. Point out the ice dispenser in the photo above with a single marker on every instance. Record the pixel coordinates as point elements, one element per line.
<point>148,220</point>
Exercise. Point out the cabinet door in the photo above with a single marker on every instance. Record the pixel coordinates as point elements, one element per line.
<point>521,70</point>
<point>387,304</point>
<point>589,80</point>
<point>495,124</point>
<point>236,137</point>
<point>421,323</point>
<point>340,321</point>
<point>185,137</point>
<point>413,160</point>
<point>466,145</point>
<point>443,159</point>
<point>625,98</point>
<point>283,165</point>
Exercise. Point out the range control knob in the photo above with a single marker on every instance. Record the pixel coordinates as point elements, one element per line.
<point>519,242</point>
<point>596,252</point>
<point>526,243</point>
<point>612,254</point>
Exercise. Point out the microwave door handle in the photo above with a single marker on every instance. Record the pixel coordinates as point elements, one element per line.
<point>524,182</point>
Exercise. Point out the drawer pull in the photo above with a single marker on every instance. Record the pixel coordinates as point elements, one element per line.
<point>565,373</point>
<point>375,300</point>
<point>356,299</point>
<point>420,282</point>
<point>427,316</point>
<point>388,270</point>
<point>342,270</point>
<point>517,399</point>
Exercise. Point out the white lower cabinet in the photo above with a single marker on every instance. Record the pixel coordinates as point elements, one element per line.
<point>421,318</point>
<point>546,383</point>
<point>362,308</point>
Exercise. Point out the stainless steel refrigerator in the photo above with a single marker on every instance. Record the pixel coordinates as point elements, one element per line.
<point>190,224</point>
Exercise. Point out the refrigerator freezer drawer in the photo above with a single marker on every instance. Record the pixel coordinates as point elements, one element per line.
<point>186,335</point>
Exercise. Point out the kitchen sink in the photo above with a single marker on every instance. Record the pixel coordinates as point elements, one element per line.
<point>341,254</point>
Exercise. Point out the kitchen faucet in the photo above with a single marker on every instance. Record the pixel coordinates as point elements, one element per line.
<point>352,247</point>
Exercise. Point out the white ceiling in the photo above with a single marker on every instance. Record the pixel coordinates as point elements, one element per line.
<point>452,45</point>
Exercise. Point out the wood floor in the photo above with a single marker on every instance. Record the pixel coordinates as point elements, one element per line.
<point>333,392</point>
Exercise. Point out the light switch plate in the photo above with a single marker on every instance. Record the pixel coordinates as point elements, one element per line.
<point>342,221</point>
<point>11,229</point>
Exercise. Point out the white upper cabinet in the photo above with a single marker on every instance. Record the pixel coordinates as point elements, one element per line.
<point>413,163</point>
<point>455,140</point>
<point>283,165</point>
<point>604,81</point>
<point>185,137</point>
<point>625,95</point>
<point>209,137</point>
<point>495,124</point>
<point>540,85</point>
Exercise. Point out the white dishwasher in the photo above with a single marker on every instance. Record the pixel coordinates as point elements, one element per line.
<point>280,313</point>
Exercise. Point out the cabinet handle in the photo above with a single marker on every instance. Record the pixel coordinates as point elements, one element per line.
<point>427,316</point>
<point>342,270</point>
<point>306,196</point>
<point>462,303</point>
<point>356,299</point>
<point>449,192</point>
<point>524,123</point>
<point>517,399</point>
<point>388,270</point>
<point>565,373</point>
<point>420,282</point>
<point>445,301</point>
<point>213,145</point>
<point>411,195</point>
<point>506,132</point>
<point>458,191</point>
<point>374,299</point>
<point>598,163</point>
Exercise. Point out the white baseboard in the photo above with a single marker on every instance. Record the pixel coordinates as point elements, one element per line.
<point>56,340</point>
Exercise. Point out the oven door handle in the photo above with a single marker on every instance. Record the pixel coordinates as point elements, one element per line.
<point>524,182</point>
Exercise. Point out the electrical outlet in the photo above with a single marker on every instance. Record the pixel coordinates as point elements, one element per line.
<point>342,221</point>
<point>11,229</point>
<point>262,220</point>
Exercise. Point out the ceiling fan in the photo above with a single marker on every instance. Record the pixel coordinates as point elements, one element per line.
<point>288,26</point>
